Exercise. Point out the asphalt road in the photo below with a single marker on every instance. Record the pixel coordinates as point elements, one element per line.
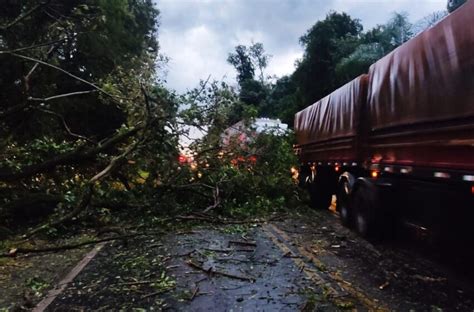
<point>305,263</point>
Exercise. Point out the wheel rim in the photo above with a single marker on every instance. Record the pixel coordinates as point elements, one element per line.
<point>342,202</point>
<point>361,223</point>
<point>344,212</point>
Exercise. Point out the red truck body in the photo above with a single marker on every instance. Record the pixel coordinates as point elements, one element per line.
<point>415,107</point>
<point>403,131</point>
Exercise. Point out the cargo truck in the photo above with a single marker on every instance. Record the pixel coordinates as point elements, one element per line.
<point>397,144</point>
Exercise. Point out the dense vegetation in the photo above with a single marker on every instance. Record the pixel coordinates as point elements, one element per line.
<point>88,133</point>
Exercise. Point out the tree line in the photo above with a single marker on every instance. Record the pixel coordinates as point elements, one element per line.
<point>336,50</point>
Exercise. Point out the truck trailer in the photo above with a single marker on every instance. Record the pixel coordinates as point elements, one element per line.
<point>397,143</point>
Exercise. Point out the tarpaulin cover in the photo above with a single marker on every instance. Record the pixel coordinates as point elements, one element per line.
<point>429,78</point>
<point>332,117</point>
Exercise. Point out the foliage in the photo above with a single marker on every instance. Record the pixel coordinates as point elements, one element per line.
<point>252,92</point>
<point>247,176</point>
<point>242,62</point>
<point>80,101</point>
<point>251,179</point>
<point>315,72</point>
<point>454,4</point>
<point>429,21</point>
<point>282,100</point>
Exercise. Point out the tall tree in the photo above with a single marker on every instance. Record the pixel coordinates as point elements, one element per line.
<point>242,62</point>
<point>78,96</point>
<point>398,29</point>
<point>246,60</point>
<point>259,59</point>
<point>325,44</point>
<point>373,45</point>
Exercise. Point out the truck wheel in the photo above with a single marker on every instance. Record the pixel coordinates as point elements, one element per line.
<point>319,195</point>
<point>365,203</point>
<point>342,203</point>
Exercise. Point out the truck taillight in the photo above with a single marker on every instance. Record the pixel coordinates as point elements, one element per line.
<point>472,190</point>
<point>337,168</point>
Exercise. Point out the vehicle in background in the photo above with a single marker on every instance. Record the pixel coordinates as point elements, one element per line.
<point>244,132</point>
<point>397,144</point>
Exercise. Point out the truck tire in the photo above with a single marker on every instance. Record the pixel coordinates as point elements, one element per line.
<point>343,203</point>
<point>366,208</point>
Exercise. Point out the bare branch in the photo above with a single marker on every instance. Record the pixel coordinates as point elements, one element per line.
<point>202,89</point>
<point>33,46</point>
<point>67,73</point>
<point>22,17</point>
<point>68,129</point>
<point>54,97</point>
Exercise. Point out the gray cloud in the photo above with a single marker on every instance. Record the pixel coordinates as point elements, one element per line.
<point>198,34</point>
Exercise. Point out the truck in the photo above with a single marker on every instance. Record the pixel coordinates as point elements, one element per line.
<point>397,143</point>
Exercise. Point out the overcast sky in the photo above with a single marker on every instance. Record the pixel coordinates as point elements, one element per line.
<point>197,35</point>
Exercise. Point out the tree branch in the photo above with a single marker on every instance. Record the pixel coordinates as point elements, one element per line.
<point>33,46</point>
<point>31,59</point>
<point>55,97</point>
<point>88,190</point>
<point>80,154</point>
<point>68,130</point>
<point>16,251</point>
<point>22,17</point>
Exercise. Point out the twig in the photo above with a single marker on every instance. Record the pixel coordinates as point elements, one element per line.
<point>135,283</point>
<point>220,221</point>
<point>196,290</point>
<point>155,293</point>
<point>217,200</point>
<point>33,46</point>
<point>54,97</point>
<point>253,244</point>
<point>219,250</point>
<point>185,254</point>
<point>211,271</point>
<point>65,125</point>
<point>16,251</point>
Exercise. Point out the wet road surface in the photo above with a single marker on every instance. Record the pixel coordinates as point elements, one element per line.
<point>305,263</point>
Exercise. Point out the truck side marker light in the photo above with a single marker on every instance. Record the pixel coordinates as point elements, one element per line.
<point>405,170</point>
<point>468,178</point>
<point>374,174</point>
<point>443,175</point>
